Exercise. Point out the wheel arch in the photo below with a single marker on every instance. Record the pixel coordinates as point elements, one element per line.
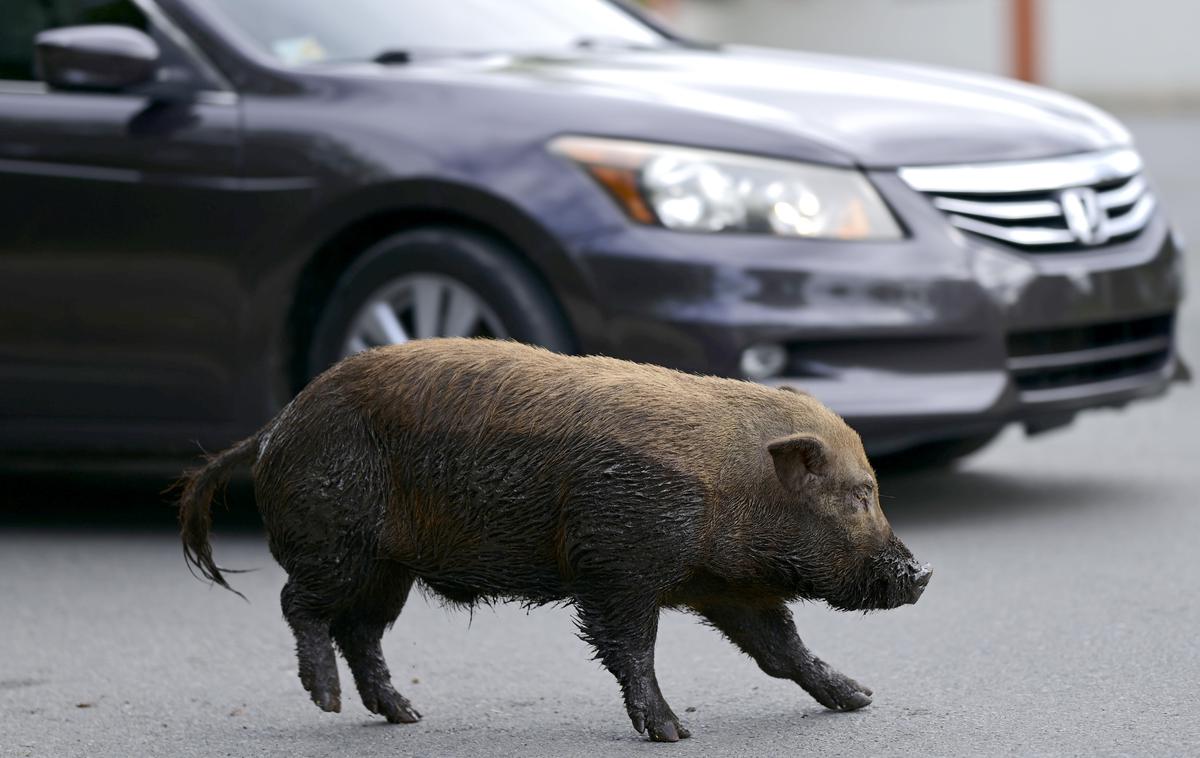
<point>349,229</point>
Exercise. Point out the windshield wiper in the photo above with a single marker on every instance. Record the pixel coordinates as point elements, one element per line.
<point>393,57</point>
<point>400,56</point>
<point>613,43</point>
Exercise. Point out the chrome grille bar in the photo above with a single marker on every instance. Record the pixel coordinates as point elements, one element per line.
<point>1133,221</point>
<point>1022,203</point>
<point>1009,211</point>
<point>1025,236</point>
<point>1126,194</point>
<point>1025,176</point>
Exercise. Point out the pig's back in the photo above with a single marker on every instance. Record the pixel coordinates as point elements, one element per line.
<point>475,388</point>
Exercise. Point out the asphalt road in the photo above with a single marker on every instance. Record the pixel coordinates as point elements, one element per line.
<point>1063,619</point>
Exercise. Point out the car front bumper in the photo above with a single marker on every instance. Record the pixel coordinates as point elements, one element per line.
<point>936,336</point>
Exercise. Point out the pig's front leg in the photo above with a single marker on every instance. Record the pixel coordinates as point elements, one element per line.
<point>769,637</point>
<point>623,629</point>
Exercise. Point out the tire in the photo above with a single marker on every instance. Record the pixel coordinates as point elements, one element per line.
<point>512,297</point>
<point>934,455</point>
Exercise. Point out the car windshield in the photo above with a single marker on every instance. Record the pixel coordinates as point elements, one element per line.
<point>298,32</point>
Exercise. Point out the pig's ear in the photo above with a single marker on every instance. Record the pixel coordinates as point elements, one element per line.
<point>796,458</point>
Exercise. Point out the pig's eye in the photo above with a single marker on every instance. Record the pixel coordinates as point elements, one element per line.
<point>862,496</point>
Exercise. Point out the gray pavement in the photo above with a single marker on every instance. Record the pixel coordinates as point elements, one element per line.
<point>1063,620</point>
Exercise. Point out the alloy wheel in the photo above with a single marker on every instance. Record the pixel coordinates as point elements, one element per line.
<point>420,306</point>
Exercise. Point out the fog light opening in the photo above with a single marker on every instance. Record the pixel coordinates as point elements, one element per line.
<point>764,361</point>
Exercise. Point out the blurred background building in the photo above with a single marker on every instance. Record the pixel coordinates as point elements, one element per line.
<point>1114,52</point>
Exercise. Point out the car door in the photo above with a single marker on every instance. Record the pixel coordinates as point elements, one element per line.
<point>120,299</point>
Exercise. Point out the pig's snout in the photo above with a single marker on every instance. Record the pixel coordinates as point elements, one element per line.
<point>894,579</point>
<point>920,576</point>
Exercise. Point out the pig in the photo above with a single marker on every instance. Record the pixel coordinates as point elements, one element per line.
<point>494,471</point>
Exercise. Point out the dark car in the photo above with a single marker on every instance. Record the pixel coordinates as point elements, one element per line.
<point>207,202</point>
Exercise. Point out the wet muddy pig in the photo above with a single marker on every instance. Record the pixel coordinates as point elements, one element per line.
<point>489,470</point>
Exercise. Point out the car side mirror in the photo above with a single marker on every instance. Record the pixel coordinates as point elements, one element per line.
<point>104,58</point>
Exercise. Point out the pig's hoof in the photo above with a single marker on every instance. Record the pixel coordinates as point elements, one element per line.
<point>661,728</point>
<point>330,702</point>
<point>327,695</point>
<point>395,708</point>
<point>322,686</point>
<point>839,692</point>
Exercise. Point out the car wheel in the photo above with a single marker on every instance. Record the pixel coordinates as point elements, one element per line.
<point>435,283</point>
<point>934,455</point>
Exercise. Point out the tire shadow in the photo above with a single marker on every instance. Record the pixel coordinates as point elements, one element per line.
<point>968,496</point>
<point>103,501</point>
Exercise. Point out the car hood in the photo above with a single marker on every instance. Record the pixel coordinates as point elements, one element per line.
<point>874,113</point>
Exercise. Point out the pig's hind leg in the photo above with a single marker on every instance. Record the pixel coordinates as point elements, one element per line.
<point>769,637</point>
<point>314,647</point>
<point>358,632</point>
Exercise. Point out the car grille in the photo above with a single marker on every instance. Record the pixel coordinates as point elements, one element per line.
<point>1057,205</point>
<point>1045,362</point>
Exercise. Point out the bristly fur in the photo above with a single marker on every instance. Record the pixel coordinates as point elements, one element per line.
<point>488,471</point>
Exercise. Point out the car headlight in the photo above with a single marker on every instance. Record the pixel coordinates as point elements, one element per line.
<point>695,190</point>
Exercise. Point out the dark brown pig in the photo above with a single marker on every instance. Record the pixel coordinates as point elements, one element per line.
<point>493,471</point>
